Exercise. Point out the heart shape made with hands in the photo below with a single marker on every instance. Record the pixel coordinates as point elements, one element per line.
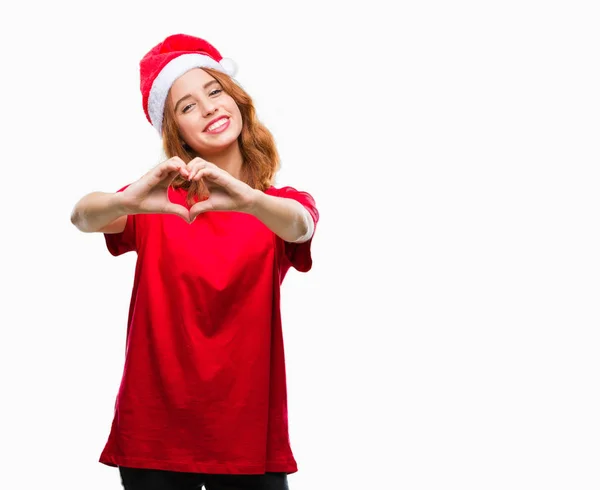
<point>225,192</point>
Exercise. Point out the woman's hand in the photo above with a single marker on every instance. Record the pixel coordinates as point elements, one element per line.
<point>226,193</point>
<point>149,194</point>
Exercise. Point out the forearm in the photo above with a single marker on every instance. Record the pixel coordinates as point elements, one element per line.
<point>287,218</point>
<point>96,210</point>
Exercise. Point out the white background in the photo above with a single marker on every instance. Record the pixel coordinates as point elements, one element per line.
<point>447,336</point>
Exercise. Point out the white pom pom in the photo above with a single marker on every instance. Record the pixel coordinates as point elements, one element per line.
<point>229,66</point>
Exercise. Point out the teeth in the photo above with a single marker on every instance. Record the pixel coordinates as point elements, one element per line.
<point>218,124</point>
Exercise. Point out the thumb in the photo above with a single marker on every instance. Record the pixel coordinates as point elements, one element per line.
<point>199,208</point>
<point>178,210</point>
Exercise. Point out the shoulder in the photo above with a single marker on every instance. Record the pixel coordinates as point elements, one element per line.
<point>303,197</point>
<point>287,191</point>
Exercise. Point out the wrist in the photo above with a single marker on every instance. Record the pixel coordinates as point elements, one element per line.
<point>119,203</point>
<point>255,202</point>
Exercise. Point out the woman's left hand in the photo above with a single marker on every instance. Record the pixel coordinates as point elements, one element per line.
<point>226,193</point>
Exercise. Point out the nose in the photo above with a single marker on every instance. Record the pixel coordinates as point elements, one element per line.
<point>208,107</point>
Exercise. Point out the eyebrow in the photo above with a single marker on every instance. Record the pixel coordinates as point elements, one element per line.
<point>187,96</point>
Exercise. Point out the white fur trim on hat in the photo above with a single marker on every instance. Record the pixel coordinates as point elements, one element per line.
<point>167,76</point>
<point>230,66</point>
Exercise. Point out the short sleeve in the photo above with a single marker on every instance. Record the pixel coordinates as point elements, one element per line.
<point>120,243</point>
<point>299,254</point>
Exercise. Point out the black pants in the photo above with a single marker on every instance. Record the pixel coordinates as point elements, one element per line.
<point>144,479</point>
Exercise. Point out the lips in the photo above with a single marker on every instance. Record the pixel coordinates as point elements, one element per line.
<point>213,122</point>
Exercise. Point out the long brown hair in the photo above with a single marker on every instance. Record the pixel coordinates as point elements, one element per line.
<point>257,145</point>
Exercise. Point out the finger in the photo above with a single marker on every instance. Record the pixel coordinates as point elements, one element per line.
<point>216,177</point>
<point>165,169</point>
<point>176,160</point>
<point>162,170</point>
<point>193,172</point>
<point>196,171</point>
<point>176,163</point>
<point>180,164</point>
<point>206,172</point>
<point>199,208</point>
<point>184,172</point>
<point>195,166</point>
<point>178,210</point>
<point>170,174</point>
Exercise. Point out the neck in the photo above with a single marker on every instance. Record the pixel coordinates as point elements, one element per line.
<point>229,160</point>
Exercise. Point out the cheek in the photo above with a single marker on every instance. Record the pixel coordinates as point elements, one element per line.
<point>238,117</point>
<point>191,129</point>
<point>233,109</point>
<point>185,127</point>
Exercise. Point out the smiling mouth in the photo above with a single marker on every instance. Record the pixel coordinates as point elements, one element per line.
<point>217,126</point>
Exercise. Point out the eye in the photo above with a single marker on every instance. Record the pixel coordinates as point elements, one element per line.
<point>187,108</point>
<point>215,92</point>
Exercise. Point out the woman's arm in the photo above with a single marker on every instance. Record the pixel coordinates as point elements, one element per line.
<point>287,218</point>
<point>100,212</point>
<point>107,213</point>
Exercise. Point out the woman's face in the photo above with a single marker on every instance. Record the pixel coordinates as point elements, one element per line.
<point>208,118</point>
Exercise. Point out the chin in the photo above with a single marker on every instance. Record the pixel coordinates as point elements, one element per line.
<point>219,144</point>
<point>216,147</point>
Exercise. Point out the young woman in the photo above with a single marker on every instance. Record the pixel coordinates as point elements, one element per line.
<point>203,394</point>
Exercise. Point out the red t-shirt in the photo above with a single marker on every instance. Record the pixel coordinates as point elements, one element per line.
<point>204,386</point>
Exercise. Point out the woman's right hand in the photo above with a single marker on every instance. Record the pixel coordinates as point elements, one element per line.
<point>149,194</point>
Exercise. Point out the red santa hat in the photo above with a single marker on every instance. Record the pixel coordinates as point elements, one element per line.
<point>167,61</point>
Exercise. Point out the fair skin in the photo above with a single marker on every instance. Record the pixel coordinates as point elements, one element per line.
<point>199,104</point>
